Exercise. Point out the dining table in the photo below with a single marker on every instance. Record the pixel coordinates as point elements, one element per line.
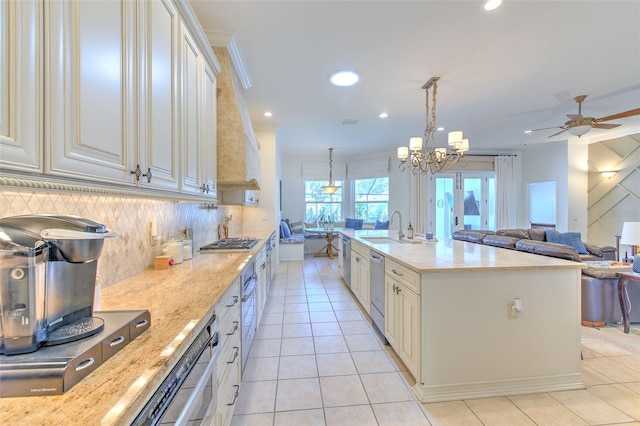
<point>329,250</point>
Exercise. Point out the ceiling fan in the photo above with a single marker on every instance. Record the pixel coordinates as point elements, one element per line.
<point>579,125</point>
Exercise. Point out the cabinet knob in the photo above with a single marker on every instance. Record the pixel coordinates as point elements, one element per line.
<point>137,172</point>
<point>148,175</point>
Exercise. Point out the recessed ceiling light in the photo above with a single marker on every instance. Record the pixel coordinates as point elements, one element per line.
<point>383,115</point>
<point>527,132</point>
<point>268,114</point>
<point>490,5</point>
<point>344,78</point>
<point>440,129</point>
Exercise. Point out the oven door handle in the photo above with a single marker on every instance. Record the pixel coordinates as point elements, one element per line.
<point>194,396</point>
<point>249,289</point>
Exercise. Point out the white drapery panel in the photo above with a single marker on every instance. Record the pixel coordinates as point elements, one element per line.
<point>319,170</point>
<point>419,199</point>
<point>505,192</point>
<point>368,169</point>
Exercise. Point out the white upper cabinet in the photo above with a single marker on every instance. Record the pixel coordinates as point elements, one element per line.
<point>210,141</point>
<point>112,91</point>
<point>21,86</point>
<point>159,146</point>
<point>198,120</point>
<point>89,104</point>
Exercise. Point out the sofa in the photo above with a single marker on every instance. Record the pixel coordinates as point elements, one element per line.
<point>552,243</point>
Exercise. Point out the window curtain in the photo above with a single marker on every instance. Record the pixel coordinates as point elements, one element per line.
<point>319,170</point>
<point>505,192</point>
<point>368,169</point>
<point>419,184</point>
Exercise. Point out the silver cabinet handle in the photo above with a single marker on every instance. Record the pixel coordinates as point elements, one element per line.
<point>142,323</point>
<point>235,300</point>
<point>117,341</point>
<point>396,272</point>
<point>235,355</point>
<point>85,364</point>
<point>235,396</point>
<point>235,328</point>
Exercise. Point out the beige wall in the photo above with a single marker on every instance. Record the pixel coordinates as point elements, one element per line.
<point>613,201</point>
<point>131,252</point>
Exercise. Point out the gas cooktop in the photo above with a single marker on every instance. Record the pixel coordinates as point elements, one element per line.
<point>245,243</point>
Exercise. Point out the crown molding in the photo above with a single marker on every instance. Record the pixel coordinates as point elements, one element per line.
<point>228,40</point>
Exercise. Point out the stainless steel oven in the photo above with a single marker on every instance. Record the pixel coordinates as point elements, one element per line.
<point>248,306</point>
<point>188,394</point>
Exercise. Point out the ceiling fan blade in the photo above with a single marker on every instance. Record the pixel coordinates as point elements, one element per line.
<point>556,134</point>
<point>629,113</point>
<point>547,128</point>
<point>604,126</point>
<point>575,117</point>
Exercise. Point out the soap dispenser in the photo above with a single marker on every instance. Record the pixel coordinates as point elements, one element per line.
<point>410,231</point>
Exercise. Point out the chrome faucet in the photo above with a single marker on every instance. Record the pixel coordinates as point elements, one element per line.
<point>400,234</point>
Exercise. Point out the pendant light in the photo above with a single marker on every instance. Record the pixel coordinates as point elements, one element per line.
<point>331,188</point>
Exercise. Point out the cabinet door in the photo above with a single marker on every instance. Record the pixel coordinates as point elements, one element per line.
<point>391,312</point>
<point>21,127</point>
<point>191,73</point>
<point>409,315</point>
<point>364,286</point>
<point>158,148</point>
<point>89,95</point>
<point>209,139</point>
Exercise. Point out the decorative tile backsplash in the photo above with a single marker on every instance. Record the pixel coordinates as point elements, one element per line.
<point>131,252</point>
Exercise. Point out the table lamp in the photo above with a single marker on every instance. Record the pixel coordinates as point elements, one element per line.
<point>631,236</point>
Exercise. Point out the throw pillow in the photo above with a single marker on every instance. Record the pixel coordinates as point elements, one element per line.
<point>382,225</point>
<point>284,230</point>
<point>297,227</point>
<point>355,224</point>
<point>572,239</point>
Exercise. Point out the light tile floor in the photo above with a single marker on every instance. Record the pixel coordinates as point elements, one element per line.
<point>316,361</point>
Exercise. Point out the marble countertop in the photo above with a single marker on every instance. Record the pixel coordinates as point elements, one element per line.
<point>453,256</point>
<point>118,389</point>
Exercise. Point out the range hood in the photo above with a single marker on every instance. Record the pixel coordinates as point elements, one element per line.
<point>238,156</point>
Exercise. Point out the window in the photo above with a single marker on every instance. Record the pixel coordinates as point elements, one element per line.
<point>318,204</point>
<point>371,199</point>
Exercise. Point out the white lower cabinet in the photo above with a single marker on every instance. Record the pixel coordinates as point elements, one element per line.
<point>360,271</point>
<point>261,285</point>
<point>402,322</point>
<point>229,364</point>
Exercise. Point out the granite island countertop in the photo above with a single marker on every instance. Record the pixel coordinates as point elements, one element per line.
<point>176,299</point>
<point>452,255</point>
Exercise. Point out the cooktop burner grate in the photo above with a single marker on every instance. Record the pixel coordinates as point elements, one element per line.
<point>231,244</point>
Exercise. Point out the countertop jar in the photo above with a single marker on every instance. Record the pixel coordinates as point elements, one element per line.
<point>174,248</point>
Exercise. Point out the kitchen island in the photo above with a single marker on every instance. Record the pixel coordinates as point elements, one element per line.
<point>449,317</point>
<point>180,299</point>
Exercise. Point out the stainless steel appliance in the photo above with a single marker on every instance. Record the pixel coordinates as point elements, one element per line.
<point>48,268</point>
<point>376,280</point>
<point>188,394</point>
<point>269,262</point>
<point>245,243</point>
<point>346,259</point>
<point>50,337</point>
<point>249,281</point>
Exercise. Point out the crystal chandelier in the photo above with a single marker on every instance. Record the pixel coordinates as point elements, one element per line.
<point>431,159</point>
<point>331,188</point>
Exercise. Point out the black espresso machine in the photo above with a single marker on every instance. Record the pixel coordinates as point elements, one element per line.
<point>50,336</point>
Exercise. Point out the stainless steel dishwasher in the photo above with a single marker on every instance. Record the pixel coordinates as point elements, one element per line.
<point>376,280</point>
<point>346,259</point>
